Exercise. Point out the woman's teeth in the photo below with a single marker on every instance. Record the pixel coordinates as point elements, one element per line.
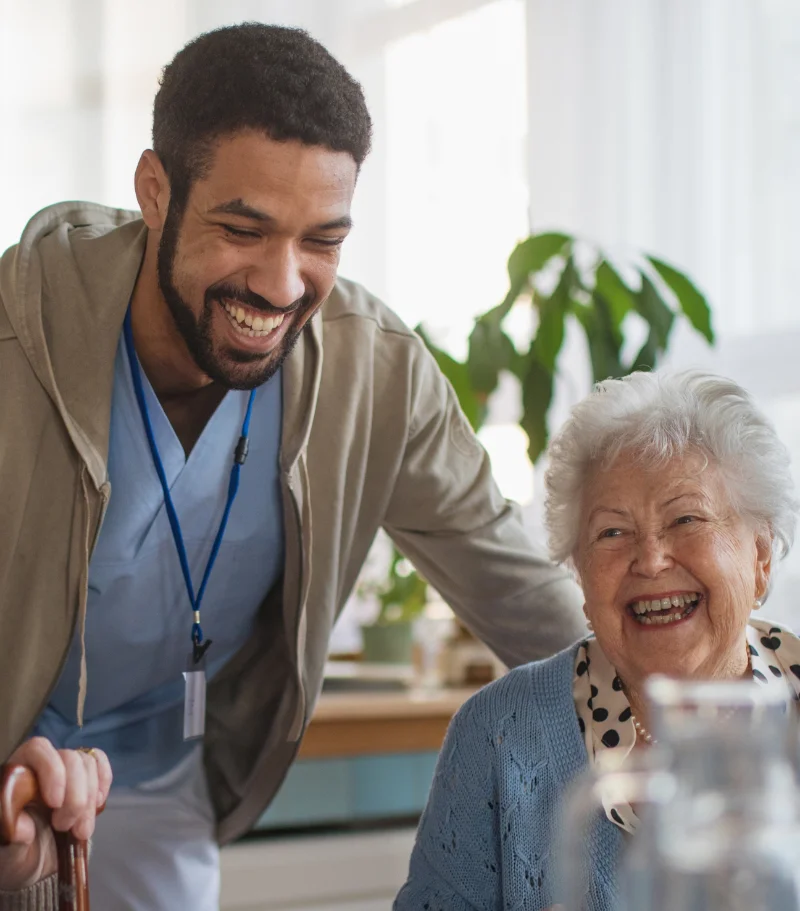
<point>679,606</point>
<point>252,326</point>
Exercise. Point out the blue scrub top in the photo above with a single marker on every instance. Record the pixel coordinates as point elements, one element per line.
<point>139,617</point>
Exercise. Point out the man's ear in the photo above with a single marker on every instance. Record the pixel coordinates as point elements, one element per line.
<point>152,190</point>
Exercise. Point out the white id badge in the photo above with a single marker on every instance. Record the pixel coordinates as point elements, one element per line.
<point>194,703</point>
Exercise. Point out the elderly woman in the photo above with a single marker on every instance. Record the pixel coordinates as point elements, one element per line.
<point>671,496</point>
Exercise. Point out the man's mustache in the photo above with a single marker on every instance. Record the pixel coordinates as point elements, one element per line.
<point>222,292</point>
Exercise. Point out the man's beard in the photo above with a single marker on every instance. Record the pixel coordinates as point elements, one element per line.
<point>232,369</point>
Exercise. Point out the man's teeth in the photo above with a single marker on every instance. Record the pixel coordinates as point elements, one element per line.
<point>253,326</point>
<point>684,604</point>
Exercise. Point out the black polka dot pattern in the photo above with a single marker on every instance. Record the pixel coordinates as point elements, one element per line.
<point>610,738</point>
<point>604,715</point>
<point>774,655</point>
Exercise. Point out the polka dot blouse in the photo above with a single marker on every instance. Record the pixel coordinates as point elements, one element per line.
<point>604,715</point>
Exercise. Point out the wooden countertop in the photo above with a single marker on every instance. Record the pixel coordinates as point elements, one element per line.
<point>347,724</point>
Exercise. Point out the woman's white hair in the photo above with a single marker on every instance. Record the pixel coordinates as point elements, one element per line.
<point>658,416</point>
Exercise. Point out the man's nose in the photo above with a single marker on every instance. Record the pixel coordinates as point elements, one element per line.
<point>652,555</point>
<point>278,277</point>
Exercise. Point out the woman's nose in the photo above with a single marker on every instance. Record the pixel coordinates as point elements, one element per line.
<point>652,556</point>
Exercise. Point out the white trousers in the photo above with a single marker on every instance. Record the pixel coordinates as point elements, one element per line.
<point>154,847</point>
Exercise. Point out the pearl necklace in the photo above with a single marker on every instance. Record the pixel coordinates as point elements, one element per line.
<point>641,730</point>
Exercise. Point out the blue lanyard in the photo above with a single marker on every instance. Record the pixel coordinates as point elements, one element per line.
<point>240,454</point>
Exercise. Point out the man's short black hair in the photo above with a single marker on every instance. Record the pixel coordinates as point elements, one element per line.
<point>276,80</point>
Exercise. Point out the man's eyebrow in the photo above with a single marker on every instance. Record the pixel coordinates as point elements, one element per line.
<point>243,210</point>
<point>240,207</point>
<point>344,222</point>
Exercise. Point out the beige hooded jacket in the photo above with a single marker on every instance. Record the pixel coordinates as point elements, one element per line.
<point>372,436</point>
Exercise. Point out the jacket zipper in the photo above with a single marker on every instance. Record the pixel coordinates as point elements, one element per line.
<point>298,721</point>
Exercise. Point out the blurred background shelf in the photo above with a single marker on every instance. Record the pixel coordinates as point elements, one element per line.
<point>364,723</point>
<point>365,756</point>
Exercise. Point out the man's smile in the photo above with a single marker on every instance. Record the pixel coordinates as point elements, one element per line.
<point>249,322</point>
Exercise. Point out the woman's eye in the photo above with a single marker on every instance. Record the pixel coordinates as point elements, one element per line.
<point>684,520</point>
<point>610,533</point>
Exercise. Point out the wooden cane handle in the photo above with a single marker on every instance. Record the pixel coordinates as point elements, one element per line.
<point>19,788</point>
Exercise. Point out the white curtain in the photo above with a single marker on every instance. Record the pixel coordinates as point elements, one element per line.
<point>674,126</point>
<point>78,77</point>
<point>668,125</point>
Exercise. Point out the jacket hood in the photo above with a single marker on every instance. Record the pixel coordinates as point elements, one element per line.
<point>70,279</point>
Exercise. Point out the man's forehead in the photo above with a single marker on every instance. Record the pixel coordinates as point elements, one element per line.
<point>250,149</point>
<point>254,177</point>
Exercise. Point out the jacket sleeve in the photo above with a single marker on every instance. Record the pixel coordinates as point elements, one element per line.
<point>456,861</point>
<point>447,515</point>
<point>42,896</point>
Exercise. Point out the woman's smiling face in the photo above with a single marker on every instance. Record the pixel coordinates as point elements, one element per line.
<point>669,534</point>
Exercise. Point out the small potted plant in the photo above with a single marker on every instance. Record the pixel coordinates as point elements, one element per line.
<point>402,596</point>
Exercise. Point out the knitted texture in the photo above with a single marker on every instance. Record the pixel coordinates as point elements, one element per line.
<point>42,896</point>
<point>488,839</point>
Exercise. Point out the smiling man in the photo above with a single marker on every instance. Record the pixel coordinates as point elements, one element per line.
<point>201,430</point>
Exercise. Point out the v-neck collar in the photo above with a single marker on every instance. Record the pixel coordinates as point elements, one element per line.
<point>170,448</point>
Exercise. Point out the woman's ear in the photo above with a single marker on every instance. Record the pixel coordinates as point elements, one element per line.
<point>588,621</point>
<point>763,564</point>
<point>152,190</point>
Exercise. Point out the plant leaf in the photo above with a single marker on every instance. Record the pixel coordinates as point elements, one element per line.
<point>552,313</point>
<point>537,392</point>
<point>550,333</point>
<point>457,373</point>
<point>603,339</point>
<point>609,284</point>
<point>647,358</point>
<point>659,316</point>
<point>408,592</point>
<point>490,351</point>
<point>529,256</point>
<point>693,303</point>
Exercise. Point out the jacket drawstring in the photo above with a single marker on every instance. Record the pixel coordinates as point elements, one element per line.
<point>83,678</point>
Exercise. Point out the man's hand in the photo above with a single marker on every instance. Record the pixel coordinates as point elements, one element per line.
<point>73,785</point>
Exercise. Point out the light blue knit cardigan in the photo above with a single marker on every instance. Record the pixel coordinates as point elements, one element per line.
<point>488,837</point>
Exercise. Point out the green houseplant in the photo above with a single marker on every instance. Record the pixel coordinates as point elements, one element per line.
<point>561,278</point>
<point>402,596</point>
<point>586,287</point>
